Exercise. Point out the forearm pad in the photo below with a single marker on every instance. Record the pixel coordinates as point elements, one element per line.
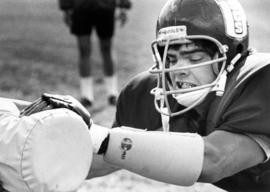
<point>175,158</point>
<point>100,138</point>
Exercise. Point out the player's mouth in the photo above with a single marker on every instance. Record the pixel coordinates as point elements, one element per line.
<point>184,85</point>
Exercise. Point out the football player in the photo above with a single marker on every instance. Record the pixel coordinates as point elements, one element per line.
<point>82,16</point>
<point>211,97</point>
<point>201,113</point>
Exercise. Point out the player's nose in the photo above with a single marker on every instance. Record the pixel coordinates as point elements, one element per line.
<point>181,68</point>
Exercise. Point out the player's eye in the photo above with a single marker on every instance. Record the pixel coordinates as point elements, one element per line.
<point>171,60</point>
<point>195,57</point>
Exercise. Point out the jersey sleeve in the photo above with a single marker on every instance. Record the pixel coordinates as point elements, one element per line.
<point>264,142</point>
<point>248,113</point>
<point>249,110</point>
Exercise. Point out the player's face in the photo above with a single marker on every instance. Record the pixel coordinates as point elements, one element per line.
<point>188,55</point>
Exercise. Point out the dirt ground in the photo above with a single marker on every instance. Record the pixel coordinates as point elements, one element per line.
<point>37,54</point>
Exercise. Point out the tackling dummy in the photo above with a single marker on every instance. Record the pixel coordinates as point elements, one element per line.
<point>45,151</point>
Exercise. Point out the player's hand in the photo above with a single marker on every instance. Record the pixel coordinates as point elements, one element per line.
<point>67,17</point>
<point>35,107</point>
<point>122,17</point>
<point>69,102</point>
<point>124,4</point>
<point>52,101</point>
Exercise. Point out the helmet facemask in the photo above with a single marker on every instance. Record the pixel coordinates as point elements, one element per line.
<point>193,95</point>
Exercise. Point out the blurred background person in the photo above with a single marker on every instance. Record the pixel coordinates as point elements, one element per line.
<point>82,16</point>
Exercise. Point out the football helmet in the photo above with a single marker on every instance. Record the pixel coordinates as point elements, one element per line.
<point>222,23</point>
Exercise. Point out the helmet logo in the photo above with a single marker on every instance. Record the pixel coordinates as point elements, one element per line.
<point>172,32</point>
<point>234,18</point>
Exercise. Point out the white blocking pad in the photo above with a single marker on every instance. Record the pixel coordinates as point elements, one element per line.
<point>51,151</point>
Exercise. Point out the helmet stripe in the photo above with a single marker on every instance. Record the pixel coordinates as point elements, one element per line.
<point>234,18</point>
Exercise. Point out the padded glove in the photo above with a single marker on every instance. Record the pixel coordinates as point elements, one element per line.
<point>52,101</point>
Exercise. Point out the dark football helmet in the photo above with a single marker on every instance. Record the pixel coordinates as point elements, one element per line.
<point>222,23</point>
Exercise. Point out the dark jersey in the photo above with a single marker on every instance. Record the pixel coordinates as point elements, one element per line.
<point>244,108</point>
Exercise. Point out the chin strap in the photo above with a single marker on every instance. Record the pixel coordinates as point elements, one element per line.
<point>220,87</point>
<point>157,92</point>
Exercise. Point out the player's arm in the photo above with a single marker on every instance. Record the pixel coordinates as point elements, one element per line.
<point>100,167</point>
<point>67,7</point>
<point>178,158</point>
<point>161,156</point>
<point>175,158</point>
<point>227,153</point>
<point>123,6</point>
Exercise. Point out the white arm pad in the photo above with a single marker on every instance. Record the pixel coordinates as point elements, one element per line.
<point>47,151</point>
<point>98,135</point>
<point>175,158</point>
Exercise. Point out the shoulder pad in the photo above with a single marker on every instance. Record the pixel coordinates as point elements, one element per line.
<point>254,63</point>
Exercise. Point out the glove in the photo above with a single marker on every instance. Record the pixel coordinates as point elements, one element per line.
<point>35,107</point>
<point>51,101</point>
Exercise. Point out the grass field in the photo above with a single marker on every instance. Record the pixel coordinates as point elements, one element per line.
<point>37,54</point>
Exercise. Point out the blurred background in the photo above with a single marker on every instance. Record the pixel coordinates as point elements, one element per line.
<point>38,54</point>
